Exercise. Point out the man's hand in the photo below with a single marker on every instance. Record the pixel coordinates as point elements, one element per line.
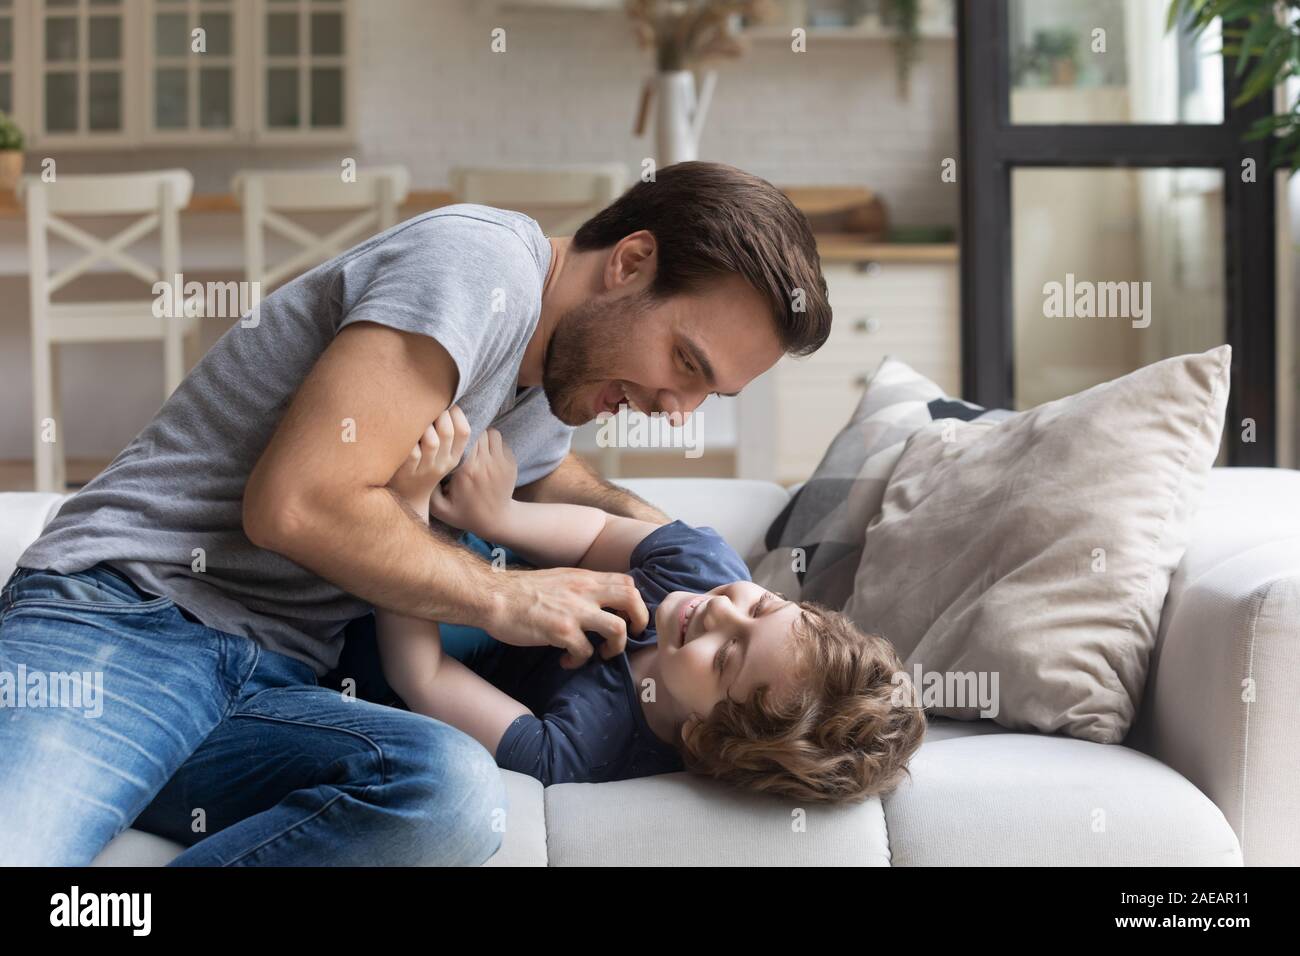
<point>557,605</point>
<point>478,496</point>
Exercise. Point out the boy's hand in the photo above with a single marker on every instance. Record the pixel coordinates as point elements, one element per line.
<point>479,495</point>
<point>432,459</point>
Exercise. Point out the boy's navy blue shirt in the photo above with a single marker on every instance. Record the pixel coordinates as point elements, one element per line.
<point>587,724</point>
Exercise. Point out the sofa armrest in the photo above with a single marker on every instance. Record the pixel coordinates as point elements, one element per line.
<point>23,516</point>
<point>739,509</point>
<point>1221,704</point>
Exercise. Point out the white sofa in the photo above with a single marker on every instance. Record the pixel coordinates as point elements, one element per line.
<point>1206,777</point>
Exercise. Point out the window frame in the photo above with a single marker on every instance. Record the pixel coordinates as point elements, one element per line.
<point>992,147</point>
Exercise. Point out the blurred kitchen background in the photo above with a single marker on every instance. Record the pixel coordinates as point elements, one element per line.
<point>854,107</point>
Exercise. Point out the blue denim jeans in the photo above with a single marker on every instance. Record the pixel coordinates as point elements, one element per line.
<point>207,739</point>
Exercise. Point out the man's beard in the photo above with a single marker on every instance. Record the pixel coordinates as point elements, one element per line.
<point>589,342</point>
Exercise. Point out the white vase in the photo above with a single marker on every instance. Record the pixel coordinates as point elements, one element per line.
<point>680,115</point>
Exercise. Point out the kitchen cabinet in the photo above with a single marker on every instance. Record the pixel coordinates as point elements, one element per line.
<point>907,308</point>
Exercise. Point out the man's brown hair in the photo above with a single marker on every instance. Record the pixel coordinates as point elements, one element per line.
<point>846,733</point>
<point>712,220</point>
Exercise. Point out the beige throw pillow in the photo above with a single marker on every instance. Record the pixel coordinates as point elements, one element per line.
<point>1020,567</point>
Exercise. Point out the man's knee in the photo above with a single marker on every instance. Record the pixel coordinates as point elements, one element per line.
<point>41,825</point>
<point>458,799</point>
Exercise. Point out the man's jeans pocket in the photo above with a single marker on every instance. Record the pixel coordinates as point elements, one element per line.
<point>99,589</point>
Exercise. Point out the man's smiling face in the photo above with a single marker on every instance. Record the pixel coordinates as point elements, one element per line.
<point>658,355</point>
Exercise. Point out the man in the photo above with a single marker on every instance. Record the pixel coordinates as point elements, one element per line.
<point>208,573</point>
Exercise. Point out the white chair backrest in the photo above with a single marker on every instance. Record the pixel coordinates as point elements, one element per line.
<point>112,193</point>
<point>377,192</point>
<point>157,197</point>
<point>569,194</point>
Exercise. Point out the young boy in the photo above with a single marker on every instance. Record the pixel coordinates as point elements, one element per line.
<point>729,680</point>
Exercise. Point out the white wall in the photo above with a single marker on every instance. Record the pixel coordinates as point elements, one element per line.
<point>432,96</point>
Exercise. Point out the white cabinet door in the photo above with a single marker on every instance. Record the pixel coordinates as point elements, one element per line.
<point>80,51</point>
<point>194,87</point>
<point>789,416</point>
<point>305,53</point>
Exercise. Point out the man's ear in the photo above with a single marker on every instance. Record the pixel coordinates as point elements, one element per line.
<point>633,260</point>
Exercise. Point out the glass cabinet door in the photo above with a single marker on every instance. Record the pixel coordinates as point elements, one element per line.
<point>82,68</point>
<point>7,56</point>
<point>193,78</point>
<point>304,65</point>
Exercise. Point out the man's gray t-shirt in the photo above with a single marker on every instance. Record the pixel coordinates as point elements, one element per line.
<point>168,511</point>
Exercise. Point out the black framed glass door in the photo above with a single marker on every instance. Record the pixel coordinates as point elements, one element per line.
<point>1103,167</point>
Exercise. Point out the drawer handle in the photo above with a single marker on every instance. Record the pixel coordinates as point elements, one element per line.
<point>866,325</point>
<point>870,267</point>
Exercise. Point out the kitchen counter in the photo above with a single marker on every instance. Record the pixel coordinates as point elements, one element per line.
<point>834,247</point>
<point>842,247</point>
<point>417,201</point>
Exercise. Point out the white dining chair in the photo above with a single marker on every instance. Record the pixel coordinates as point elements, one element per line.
<point>265,197</point>
<point>156,198</point>
<point>560,199</point>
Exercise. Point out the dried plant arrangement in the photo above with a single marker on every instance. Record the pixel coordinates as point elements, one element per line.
<point>686,33</point>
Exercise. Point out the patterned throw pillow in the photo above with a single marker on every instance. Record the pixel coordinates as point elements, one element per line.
<point>813,548</point>
<point>1035,555</point>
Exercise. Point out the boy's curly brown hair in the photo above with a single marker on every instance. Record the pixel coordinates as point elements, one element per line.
<point>840,737</point>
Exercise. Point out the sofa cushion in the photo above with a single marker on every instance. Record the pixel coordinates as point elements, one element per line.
<point>1037,552</point>
<point>980,795</point>
<point>524,841</point>
<point>812,550</point>
<point>683,820</point>
<point>137,848</point>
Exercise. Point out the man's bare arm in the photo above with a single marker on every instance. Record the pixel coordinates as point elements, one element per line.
<point>318,495</point>
<point>321,501</point>
<point>575,482</point>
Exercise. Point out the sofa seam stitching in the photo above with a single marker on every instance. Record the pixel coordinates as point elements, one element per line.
<point>1258,599</point>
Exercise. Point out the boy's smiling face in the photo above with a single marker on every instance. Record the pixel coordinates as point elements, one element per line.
<point>723,644</point>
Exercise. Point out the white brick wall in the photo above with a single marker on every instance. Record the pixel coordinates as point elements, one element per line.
<point>432,96</point>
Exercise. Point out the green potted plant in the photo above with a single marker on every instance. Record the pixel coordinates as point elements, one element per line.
<point>1264,49</point>
<point>1060,50</point>
<point>903,18</point>
<point>11,152</point>
<point>1051,60</point>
